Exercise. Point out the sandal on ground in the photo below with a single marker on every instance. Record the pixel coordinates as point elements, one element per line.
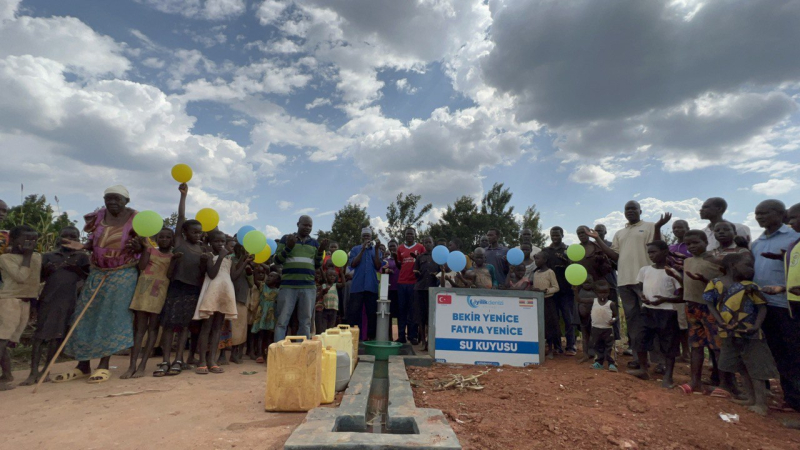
<point>72,374</point>
<point>720,393</point>
<point>260,360</point>
<point>216,369</point>
<point>571,352</point>
<point>201,370</point>
<point>612,368</point>
<point>686,389</point>
<point>163,369</point>
<point>597,366</point>
<point>175,369</point>
<point>99,376</point>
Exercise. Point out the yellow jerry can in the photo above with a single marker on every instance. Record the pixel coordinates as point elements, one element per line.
<point>294,374</point>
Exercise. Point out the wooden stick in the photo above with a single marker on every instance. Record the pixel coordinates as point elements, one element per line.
<point>69,334</point>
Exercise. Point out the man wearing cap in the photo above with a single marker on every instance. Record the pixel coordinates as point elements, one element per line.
<point>365,260</point>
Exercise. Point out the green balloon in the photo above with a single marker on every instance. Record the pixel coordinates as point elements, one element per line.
<point>147,223</point>
<point>575,274</point>
<point>576,252</point>
<point>339,258</point>
<point>254,241</point>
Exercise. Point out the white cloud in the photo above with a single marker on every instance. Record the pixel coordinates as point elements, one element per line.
<point>153,63</point>
<point>597,175</point>
<point>404,86</point>
<point>318,102</point>
<point>272,232</point>
<point>8,9</point>
<point>283,205</point>
<point>65,40</point>
<point>774,186</point>
<point>305,211</point>
<point>199,9</point>
<point>378,225</point>
<point>361,200</point>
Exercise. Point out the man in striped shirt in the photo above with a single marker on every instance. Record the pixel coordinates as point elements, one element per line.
<point>300,255</point>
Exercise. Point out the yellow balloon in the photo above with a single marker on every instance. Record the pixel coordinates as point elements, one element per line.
<point>182,173</point>
<point>263,255</point>
<point>208,218</point>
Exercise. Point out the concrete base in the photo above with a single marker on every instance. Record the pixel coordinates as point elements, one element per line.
<point>345,427</point>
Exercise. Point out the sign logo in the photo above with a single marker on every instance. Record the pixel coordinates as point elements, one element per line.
<point>526,302</point>
<point>444,299</point>
<point>476,302</point>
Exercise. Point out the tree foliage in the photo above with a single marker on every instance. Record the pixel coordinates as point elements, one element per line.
<point>469,221</point>
<point>530,220</point>
<point>171,221</point>
<point>39,215</point>
<point>403,213</point>
<point>346,227</point>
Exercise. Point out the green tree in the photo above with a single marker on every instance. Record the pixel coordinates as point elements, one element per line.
<point>402,213</point>
<point>346,227</point>
<point>38,214</point>
<point>497,213</point>
<point>530,220</point>
<point>462,220</point>
<point>172,220</point>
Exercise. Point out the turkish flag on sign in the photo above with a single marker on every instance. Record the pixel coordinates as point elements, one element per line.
<point>444,299</point>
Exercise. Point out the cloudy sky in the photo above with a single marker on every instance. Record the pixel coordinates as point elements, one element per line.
<point>291,107</point>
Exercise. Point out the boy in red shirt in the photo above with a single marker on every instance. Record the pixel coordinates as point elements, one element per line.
<point>407,253</point>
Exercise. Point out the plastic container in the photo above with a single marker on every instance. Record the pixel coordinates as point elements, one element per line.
<point>355,333</point>
<point>342,371</point>
<point>333,337</point>
<point>382,349</point>
<point>329,372</point>
<point>294,374</point>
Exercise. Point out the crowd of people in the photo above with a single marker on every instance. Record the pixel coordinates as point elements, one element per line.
<point>712,291</point>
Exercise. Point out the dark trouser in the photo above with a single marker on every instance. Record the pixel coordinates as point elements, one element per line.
<point>420,310</point>
<point>631,305</point>
<point>783,335</point>
<point>551,328</point>
<point>392,311</point>
<point>405,318</point>
<point>368,300</point>
<point>325,319</point>
<point>566,305</point>
<point>603,345</point>
<point>615,306</point>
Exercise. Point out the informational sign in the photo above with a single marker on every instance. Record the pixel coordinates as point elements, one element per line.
<point>486,327</point>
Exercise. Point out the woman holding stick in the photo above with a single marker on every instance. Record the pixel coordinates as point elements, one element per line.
<point>107,325</point>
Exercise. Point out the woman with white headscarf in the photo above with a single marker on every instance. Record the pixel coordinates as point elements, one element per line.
<point>107,326</point>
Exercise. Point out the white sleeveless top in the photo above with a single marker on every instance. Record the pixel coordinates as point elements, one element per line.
<point>601,314</point>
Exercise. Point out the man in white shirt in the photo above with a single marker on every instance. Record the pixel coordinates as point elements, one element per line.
<point>629,249</point>
<point>712,210</point>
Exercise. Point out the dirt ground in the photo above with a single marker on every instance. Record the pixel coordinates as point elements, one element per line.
<point>565,405</point>
<point>187,411</point>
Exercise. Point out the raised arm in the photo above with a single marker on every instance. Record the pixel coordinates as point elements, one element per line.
<point>238,269</point>
<point>612,255</point>
<point>666,217</point>
<point>184,189</point>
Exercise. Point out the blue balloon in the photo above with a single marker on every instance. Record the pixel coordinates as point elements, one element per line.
<point>456,261</point>
<point>242,232</point>
<point>440,253</point>
<point>515,256</point>
<point>272,245</point>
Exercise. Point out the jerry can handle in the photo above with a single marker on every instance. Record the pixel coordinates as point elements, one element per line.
<point>344,327</point>
<point>296,339</point>
<point>332,331</point>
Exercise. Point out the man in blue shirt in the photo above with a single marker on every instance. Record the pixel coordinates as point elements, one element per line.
<point>781,329</point>
<point>365,260</point>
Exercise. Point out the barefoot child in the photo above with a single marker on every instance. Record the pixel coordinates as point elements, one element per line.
<point>217,302</point>
<point>264,326</point>
<point>738,305</point>
<point>328,294</point>
<point>603,317</point>
<point>656,290</point>
<point>20,268</point>
<point>241,288</point>
<point>184,288</point>
<point>62,270</point>
<point>155,269</point>
<point>703,331</point>
<point>544,280</point>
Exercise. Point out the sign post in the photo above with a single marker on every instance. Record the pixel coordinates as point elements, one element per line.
<point>486,326</point>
